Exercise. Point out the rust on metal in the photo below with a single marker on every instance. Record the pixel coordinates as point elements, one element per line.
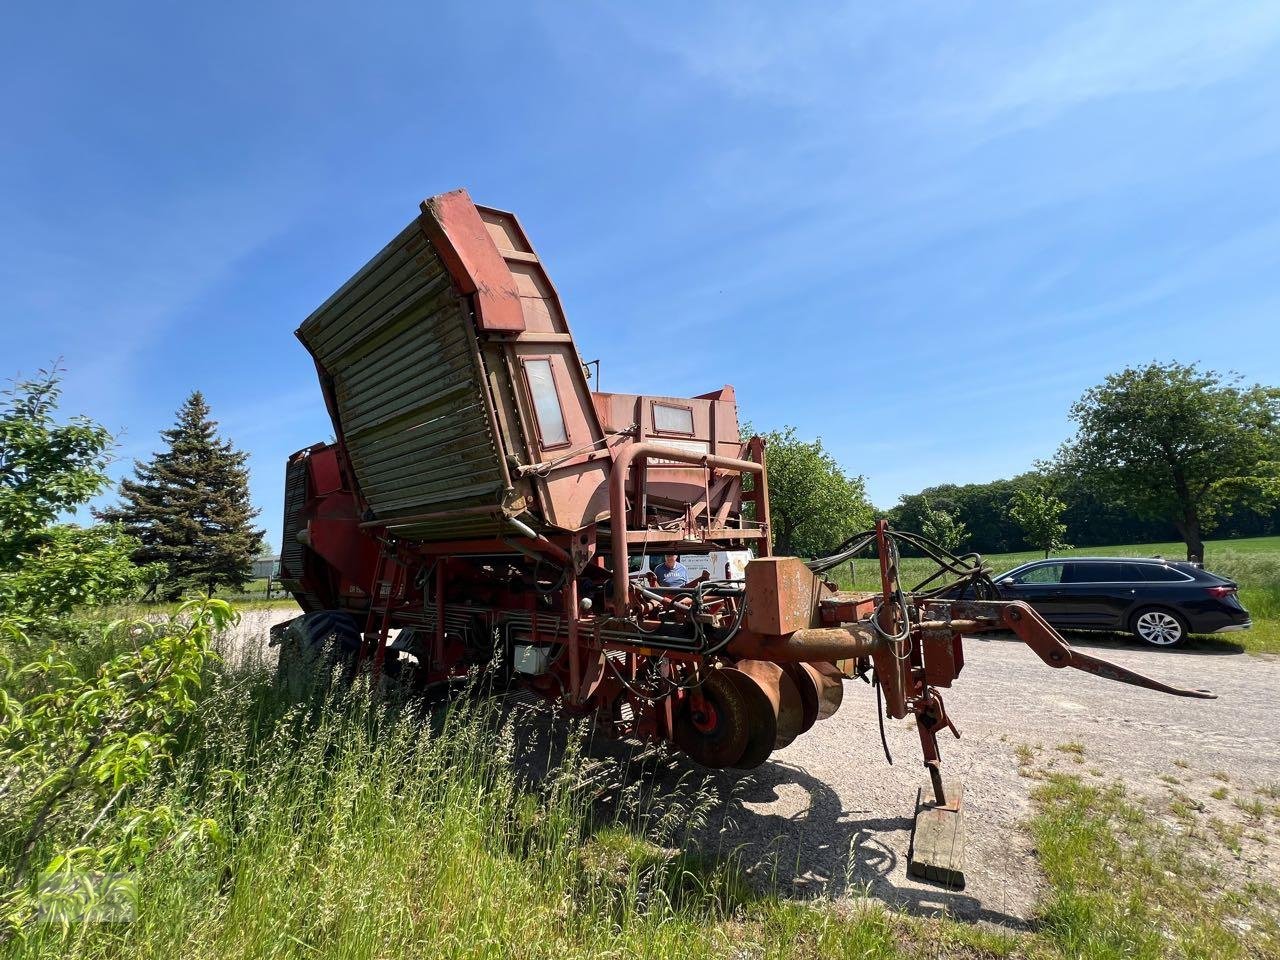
<point>483,501</point>
<point>788,594</point>
<point>809,645</point>
<point>758,683</point>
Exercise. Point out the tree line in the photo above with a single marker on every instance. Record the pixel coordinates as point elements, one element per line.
<point>985,510</point>
<point>1161,452</point>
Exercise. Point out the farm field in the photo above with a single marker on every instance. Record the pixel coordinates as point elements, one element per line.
<point>1254,563</point>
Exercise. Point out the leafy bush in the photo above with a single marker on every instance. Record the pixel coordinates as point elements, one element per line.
<point>369,828</point>
<point>65,567</point>
<point>79,746</point>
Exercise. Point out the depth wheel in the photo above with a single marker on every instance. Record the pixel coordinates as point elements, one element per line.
<point>714,726</point>
<point>759,683</point>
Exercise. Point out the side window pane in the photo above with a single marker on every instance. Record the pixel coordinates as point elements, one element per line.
<point>1161,573</point>
<point>546,403</point>
<point>1049,573</point>
<point>1132,573</point>
<point>669,419</point>
<point>1094,573</point>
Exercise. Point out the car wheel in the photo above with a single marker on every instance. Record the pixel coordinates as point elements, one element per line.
<point>1160,628</point>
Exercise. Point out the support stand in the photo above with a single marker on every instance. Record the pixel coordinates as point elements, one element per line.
<point>937,838</point>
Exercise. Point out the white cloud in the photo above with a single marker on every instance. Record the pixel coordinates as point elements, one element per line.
<point>780,52</point>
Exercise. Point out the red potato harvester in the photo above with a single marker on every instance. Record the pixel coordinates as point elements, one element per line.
<point>483,505</point>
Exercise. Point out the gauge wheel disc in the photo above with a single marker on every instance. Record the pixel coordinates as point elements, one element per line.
<point>715,732</point>
<point>830,690</point>
<point>757,682</point>
<point>791,710</point>
<point>809,685</point>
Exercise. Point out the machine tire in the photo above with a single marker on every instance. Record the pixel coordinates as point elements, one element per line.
<point>320,639</point>
<point>1158,626</point>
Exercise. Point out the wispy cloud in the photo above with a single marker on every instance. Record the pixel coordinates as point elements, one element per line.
<point>1136,48</point>
<point>926,57</point>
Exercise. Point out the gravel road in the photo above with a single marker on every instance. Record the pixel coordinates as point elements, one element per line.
<point>828,817</point>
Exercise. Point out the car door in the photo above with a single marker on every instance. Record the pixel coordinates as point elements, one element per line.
<point>1094,593</point>
<point>1129,594</point>
<point>1039,585</point>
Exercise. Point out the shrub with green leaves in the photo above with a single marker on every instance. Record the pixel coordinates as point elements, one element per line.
<point>78,745</point>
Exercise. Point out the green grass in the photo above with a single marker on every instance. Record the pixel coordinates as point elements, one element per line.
<point>353,828</point>
<point>255,592</point>
<point>1254,563</point>
<point>1124,886</point>
<point>353,831</point>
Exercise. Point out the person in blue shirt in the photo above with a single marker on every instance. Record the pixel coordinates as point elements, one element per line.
<point>671,572</point>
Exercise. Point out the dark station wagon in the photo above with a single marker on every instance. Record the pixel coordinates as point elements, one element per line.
<point>1158,601</point>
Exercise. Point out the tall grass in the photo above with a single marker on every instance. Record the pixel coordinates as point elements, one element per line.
<point>356,826</point>
<point>353,827</point>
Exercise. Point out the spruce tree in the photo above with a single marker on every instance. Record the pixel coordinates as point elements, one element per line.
<point>189,507</point>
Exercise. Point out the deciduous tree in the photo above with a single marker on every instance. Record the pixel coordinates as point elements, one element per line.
<point>47,469</point>
<point>1175,442</point>
<point>813,503</point>
<point>943,527</point>
<point>1039,513</point>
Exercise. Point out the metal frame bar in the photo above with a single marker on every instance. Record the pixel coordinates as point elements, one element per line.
<point>637,453</point>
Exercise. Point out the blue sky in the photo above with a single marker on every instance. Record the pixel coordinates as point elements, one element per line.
<point>918,231</point>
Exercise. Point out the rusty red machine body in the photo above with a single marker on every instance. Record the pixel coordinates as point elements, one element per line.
<point>483,505</point>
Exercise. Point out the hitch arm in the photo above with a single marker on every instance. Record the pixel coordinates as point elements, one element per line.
<point>1033,630</point>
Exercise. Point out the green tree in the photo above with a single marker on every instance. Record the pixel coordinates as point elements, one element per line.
<point>814,505</point>
<point>1170,441</point>
<point>1039,513</point>
<point>189,507</point>
<point>80,734</point>
<point>47,469</point>
<point>943,527</point>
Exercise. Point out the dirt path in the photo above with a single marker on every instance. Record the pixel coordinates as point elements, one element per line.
<point>830,804</point>
<point>828,817</point>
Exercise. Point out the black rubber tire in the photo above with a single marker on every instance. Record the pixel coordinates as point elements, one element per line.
<point>1146,623</point>
<point>722,746</point>
<point>322,637</point>
<point>332,626</point>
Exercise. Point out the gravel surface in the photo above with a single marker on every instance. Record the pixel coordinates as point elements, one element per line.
<point>837,818</point>
<point>828,817</point>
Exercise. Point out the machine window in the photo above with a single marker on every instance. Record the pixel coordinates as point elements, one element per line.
<point>672,419</point>
<point>546,402</point>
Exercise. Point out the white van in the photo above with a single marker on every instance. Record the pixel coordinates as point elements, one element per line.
<point>721,565</point>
